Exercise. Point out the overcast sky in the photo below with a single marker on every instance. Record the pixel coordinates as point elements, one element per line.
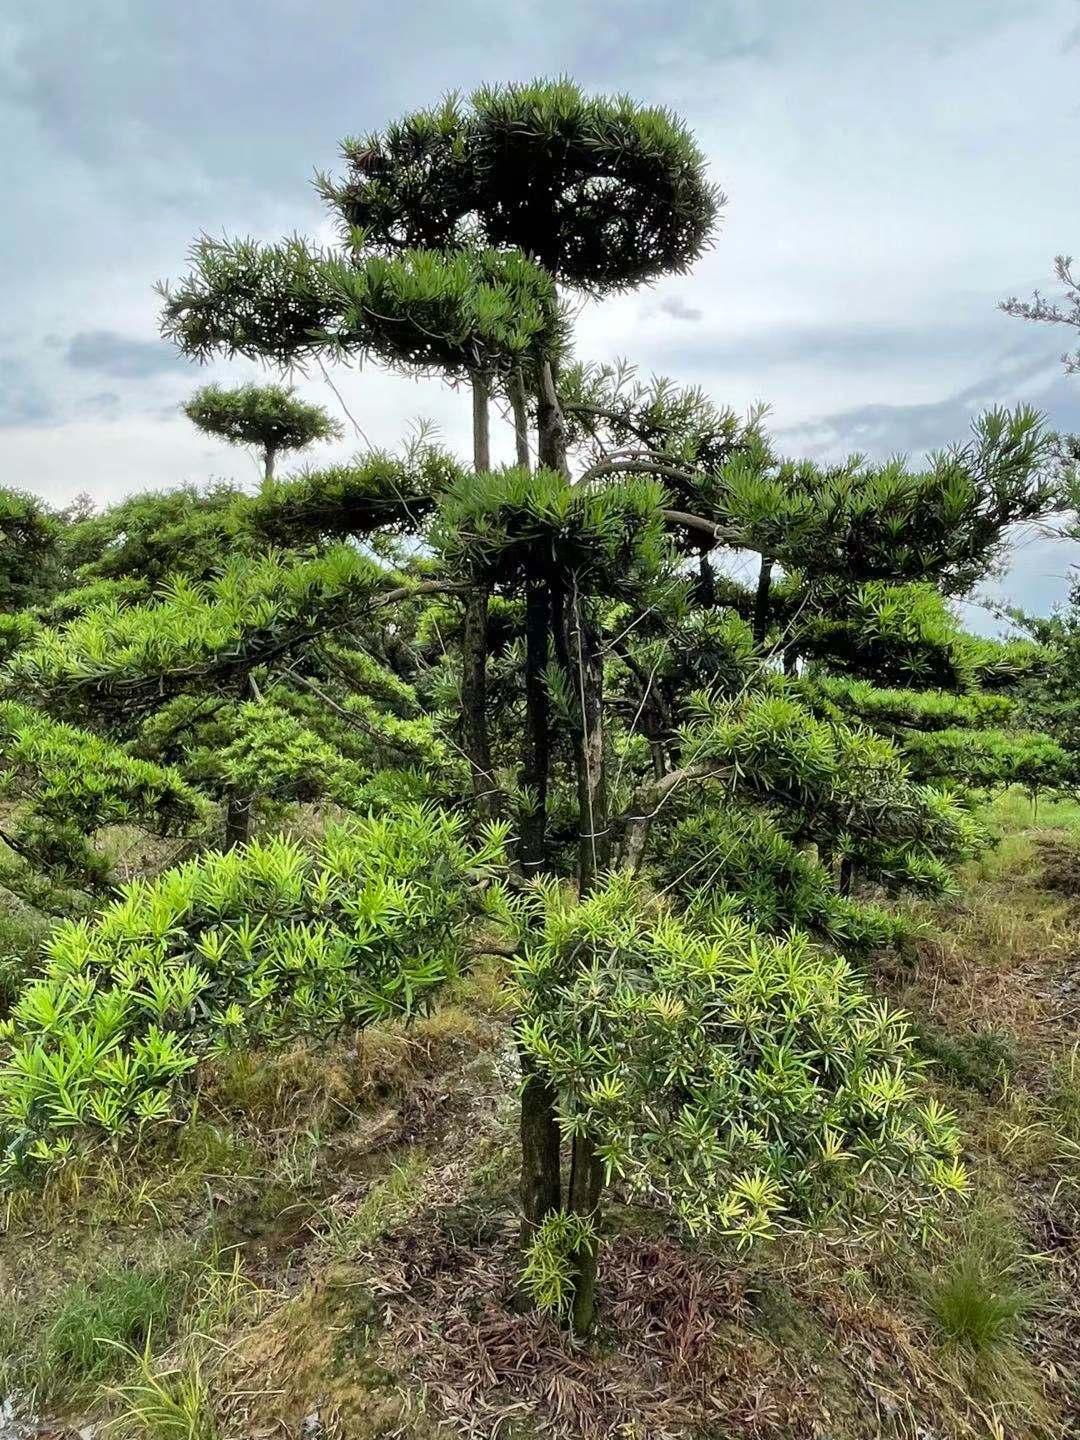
<point>892,172</point>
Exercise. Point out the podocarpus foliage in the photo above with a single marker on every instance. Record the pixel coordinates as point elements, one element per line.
<point>562,651</point>
<point>266,416</point>
<point>249,947</point>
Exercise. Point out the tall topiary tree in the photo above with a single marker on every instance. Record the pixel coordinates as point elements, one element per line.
<point>267,416</point>
<point>626,710</point>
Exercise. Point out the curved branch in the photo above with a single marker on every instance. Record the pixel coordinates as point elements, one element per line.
<point>647,803</point>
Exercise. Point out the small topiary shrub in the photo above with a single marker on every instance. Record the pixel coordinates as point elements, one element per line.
<point>256,946</point>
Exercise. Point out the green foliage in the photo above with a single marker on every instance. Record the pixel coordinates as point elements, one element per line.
<point>21,934</point>
<point>265,415</point>
<point>139,542</point>
<point>421,310</point>
<point>374,491</point>
<point>976,1304</point>
<point>30,550</point>
<point>603,193</point>
<point>906,636</point>
<point>85,1339</point>
<point>746,1081</point>
<point>991,759</point>
<point>194,633</point>
<point>608,407</point>
<point>499,526</point>
<point>887,522</point>
<point>729,859</point>
<point>246,298</point>
<point>926,710</point>
<point>844,787</point>
<point>549,1269</point>
<point>983,1060</point>
<point>67,783</point>
<point>450,313</point>
<point>254,946</point>
<point>278,752</point>
<point>170,1402</point>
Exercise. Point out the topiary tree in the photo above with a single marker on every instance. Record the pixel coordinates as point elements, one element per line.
<point>747,1082</point>
<point>616,695</point>
<point>267,416</point>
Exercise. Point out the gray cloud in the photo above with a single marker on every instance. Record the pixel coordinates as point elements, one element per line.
<point>121,356</point>
<point>676,308</point>
<point>882,430</point>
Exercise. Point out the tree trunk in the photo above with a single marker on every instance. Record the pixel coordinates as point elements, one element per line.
<point>550,425</point>
<point>474,701</point>
<point>791,661</point>
<point>541,1178</point>
<point>706,581</point>
<point>586,1184</point>
<point>521,419</point>
<point>481,421</point>
<point>237,820</point>
<point>761,602</point>
<point>269,456</point>
<point>586,670</point>
<point>537,740</point>
<point>846,875</point>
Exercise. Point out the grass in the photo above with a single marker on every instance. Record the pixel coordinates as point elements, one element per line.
<point>975,1308</point>
<point>388,1202</point>
<point>164,1402</point>
<point>82,1337</point>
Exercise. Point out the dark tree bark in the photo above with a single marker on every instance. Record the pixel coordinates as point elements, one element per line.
<point>520,411</point>
<point>550,425</point>
<point>706,581</point>
<point>846,875</point>
<point>474,702</point>
<point>536,751</point>
<point>481,419</point>
<point>541,1175</point>
<point>586,1184</point>
<point>761,602</point>
<point>237,820</point>
<point>586,670</point>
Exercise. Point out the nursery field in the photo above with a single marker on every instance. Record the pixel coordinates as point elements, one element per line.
<point>325,1245</point>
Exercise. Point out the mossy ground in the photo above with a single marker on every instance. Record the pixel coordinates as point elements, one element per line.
<point>326,1247</point>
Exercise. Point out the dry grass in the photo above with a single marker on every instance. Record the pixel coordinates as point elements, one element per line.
<point>366,1192</point>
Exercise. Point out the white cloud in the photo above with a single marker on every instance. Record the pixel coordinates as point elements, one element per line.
<point>892,172</point>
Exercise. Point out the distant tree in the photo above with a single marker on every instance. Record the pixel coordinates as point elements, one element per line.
<point>30,550</point>
<point>144,538</point>
<point>1063,312</point>
<point>268,416</point>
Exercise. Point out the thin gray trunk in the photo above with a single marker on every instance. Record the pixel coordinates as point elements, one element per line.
<point>481,421</point>
<point>521,419</point>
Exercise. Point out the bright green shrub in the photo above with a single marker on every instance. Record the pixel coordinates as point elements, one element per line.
<point>192,631</point>
<point>66,783</point>
<point>992,759</point>
<point>256,946</point>
<point>748,1082</point>
<point>842,786</point>
<point>732,859</point>
<point>843,698</point>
